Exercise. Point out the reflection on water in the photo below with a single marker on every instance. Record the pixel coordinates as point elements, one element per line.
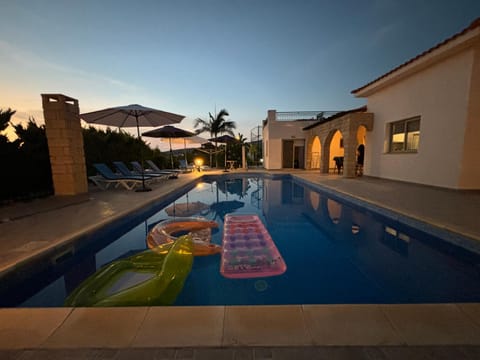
<point>314,200</point>
<point>334,210</point>
<point>335,253</point>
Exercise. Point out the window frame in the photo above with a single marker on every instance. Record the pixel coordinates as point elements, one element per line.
<point>405,123</point>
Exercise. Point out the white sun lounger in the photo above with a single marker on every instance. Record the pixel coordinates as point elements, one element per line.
<point>106,177</point>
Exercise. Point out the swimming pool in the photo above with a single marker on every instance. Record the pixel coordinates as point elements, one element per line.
<point>336,252</point>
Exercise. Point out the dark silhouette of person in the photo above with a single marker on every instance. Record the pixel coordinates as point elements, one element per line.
<point>361,154</point>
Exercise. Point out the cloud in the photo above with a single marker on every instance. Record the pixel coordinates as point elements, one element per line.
<point>31,60</point>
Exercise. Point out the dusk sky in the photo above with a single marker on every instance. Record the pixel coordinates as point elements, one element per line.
<point>192,57</point>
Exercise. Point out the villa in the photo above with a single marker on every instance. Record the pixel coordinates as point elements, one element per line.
<point>368,238</point>
<point>421,123</point>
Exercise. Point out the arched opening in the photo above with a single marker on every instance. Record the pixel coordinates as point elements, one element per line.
<point>336,153</point>
<point>314,200</point>
<point>334,211</point>
<point>315,154</point>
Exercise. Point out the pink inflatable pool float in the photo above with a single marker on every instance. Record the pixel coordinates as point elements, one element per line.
<point>248,249</point>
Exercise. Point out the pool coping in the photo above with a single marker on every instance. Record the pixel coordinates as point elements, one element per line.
<point>238,326</point>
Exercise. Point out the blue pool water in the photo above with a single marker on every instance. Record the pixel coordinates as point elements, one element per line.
<point>335,253</point>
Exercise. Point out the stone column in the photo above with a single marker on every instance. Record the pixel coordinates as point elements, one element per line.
<point>65,144</point>
<point>324,157</point>
<point>349,132</point>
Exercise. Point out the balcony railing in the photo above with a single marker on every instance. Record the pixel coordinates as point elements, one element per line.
<point>303,115</point>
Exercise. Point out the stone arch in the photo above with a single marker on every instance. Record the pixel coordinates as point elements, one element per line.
<point>314,151</point>
<point>361,134</point>
<point>333,146</point>
<point>348,124</point>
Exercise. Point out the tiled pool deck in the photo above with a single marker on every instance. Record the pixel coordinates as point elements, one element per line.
<point>448,331</point>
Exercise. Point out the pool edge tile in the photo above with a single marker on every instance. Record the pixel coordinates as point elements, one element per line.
<point>113,327</point>
<point>29,327</point>
<point>181,326</point>
<point>433,324</point>
<point>472,310</point>
<point>265,325</point>
<point>347,325</point>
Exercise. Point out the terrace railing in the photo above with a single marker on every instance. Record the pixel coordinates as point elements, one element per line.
<point>303,115</point>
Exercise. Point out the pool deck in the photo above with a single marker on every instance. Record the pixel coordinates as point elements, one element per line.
<point>233,332</point>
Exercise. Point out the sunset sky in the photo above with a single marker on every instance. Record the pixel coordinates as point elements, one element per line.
<point>192,57</point>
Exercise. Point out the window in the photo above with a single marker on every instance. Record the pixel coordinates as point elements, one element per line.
<point>405,135</point>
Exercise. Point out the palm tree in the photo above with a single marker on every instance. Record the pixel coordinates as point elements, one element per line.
<point>216,125</point>
<point>236,148</point>
<point>242,139</point>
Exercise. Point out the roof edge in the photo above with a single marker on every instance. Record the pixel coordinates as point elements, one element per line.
<point>475,24</point>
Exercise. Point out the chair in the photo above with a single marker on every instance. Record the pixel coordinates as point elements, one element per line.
<point>338,163</point>
<point>124,170</point>
<point>154,167</point>
<point>167,174</point>
<point>185,167</point>
<point>107,177</point>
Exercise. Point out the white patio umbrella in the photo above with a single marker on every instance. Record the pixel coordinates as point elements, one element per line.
<point>132,116</point>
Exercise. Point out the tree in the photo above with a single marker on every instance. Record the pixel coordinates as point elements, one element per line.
<point>27,157</point>
<point>27,160</point>
<point>5,116</point>
<point>108,145</point>
<point>216,125</point>
<point>236,148</point>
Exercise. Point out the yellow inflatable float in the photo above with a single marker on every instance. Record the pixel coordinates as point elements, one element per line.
<point>199,229</point>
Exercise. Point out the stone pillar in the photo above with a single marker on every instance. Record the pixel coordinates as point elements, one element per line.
<point>65,144</point>
<point>349,133</point>
<point>244,158</point>
<point>324,157</point>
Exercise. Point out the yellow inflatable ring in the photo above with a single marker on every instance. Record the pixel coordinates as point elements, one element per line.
<point>200,229</point>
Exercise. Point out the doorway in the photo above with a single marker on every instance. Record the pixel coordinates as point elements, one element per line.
<point>293,154</point>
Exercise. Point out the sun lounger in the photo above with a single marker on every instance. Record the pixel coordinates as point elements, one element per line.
<point>138,168</point>
<point>107,177</point>
<point>124,170</point>
<point>154,167</point>
<point>185,167</point>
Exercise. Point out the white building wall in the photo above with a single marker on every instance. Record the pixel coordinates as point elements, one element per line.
<point>265,146</point>
<point>470,173</point>
<point>438,94</point>
<point>276,131</point>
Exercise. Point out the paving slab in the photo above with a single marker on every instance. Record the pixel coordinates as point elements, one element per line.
<point>181,326</point>
<point>265,326</point>
<point>98,328</point>
<point>29,328</point>
<point>350,325</point>
<point>433,324</point>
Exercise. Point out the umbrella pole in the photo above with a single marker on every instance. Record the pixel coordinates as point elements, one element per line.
<point>226,169</point>
<point>171,152</point>
<point>143,188</point>
<point>185,149</point>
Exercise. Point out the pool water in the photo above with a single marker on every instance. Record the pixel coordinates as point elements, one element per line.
<point>336,253</point>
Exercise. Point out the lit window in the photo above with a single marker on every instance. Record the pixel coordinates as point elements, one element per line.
<point>405,135</point>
